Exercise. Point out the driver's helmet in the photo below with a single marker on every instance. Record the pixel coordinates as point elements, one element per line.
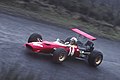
<point>73,41</point>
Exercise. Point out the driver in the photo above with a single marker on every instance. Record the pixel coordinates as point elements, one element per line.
<point>73,44</point>
<point>73,41</point>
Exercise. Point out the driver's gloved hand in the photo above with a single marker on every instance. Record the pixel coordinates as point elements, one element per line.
<point>66,43</point>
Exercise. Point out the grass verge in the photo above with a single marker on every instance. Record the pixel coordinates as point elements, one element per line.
<point>59,17</point>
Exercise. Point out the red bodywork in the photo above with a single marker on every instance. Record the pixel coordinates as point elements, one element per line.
<point>49,47</point>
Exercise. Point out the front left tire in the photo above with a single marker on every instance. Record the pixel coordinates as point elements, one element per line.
<point>59,55</point>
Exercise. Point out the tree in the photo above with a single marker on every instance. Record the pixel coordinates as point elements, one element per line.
<point>114,7</point>
<point>91,6</point>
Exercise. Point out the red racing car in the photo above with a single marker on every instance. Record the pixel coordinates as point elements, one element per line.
<point>80,48</point>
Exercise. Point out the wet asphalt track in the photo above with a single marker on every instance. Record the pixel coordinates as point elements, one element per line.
<point>15,31</point>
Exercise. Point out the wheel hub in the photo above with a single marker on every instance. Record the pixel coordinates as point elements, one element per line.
<point>98,60</point>
<point>61,57</point>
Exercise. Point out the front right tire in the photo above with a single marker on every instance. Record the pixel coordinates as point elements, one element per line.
<point>35,37</point>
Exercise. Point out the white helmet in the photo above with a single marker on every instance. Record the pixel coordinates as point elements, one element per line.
<point>73,41</point>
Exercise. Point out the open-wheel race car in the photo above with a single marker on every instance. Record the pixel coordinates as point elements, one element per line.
<point>81,47</point>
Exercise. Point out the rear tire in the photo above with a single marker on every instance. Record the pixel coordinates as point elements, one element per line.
<point>59,55</point>
<point>95,58</point>
<point>35,38</point>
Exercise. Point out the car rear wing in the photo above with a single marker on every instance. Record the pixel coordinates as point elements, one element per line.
<point>83,34</point>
